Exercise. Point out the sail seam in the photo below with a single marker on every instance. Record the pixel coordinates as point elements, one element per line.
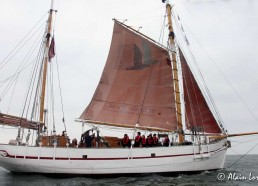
<point>135,104</point>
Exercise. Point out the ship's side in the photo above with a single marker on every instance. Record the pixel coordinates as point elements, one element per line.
<point>105,161</point>
<point>139,89</point>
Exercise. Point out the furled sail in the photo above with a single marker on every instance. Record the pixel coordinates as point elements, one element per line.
<point>136,86</point>
<point>198,113</point>
<point>15,121</point>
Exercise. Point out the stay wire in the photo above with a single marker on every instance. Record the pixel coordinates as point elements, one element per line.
<point>60,90</point>
<point>224,76</point>
<point>26,98</point>
<point>243,142</point>
<point>33,77</point>
<point>10,56</point>
<point>10,77</point>
<point>58,74</point>
<point>21,65</point>
<point>33,74</point>
<point>190,81</point>
<point>242,156</point>
<point>14,87</point>
<point>40,58</point>
<point>52,96</point>
<point>161,36</point>
<point>20,68</point>
<point>204,83</point>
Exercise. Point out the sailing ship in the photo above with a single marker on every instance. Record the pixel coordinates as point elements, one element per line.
<point>138,89</point>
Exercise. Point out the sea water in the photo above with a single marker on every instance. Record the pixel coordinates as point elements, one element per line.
<point>244,172</point>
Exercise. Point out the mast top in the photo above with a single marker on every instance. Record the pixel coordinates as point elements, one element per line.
<point>52,5</point>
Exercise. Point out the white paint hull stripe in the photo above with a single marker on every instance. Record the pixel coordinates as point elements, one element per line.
<point>7,155</point>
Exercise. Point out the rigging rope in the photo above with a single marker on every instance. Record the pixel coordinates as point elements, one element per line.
<point>161,36</point>
<point>243,156</point>
<point>191,81</point>
<point>33,77</point>
<point>12,94</point>
<point>31,84</point>
<point>38,88</point>
<point>52,101</point>
<point>21,66</point>
<point>58,76</point>
<point>212,103</point>
<point>224,76</point>
<point>10,55</point>
<point>253,138</point>
<point>60,91</point>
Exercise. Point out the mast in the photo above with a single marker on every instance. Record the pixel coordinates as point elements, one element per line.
<point>175,72</point>
<point>46,59</point>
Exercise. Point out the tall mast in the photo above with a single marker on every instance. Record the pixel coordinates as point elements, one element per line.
<point>46,59</point>
<point>175,72</point>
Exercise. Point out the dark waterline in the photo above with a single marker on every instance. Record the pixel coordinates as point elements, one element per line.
<point>246,166</point>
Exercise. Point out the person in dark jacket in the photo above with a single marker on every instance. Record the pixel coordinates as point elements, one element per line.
<point>88,140</point>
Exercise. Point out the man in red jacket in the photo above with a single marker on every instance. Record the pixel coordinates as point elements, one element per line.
<point>155,140</point>
<point>126,142</point>
<point>137,140</point>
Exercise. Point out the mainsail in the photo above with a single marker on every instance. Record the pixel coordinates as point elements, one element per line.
<point>136,86</point>
<point>198,113</point>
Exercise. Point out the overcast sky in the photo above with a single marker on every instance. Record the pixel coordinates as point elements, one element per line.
<point>222,35</point>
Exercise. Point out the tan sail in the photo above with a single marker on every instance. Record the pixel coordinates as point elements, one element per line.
<point>136,86</point>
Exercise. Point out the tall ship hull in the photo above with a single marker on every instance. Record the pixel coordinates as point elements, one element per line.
<point>146,88</point>
<point>174,159</point>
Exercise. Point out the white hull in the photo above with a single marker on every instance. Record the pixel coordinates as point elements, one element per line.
<point>112,160</point>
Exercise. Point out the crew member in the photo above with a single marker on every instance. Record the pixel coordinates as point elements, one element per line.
<point>126,141</point>
<point>150,140</point>
<point>137,140</point>
<point>155,140</point>
<point>166,141</point>
<point>143,142</point>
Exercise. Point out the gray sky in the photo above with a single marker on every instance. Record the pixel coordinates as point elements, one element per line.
<point>222,36</point>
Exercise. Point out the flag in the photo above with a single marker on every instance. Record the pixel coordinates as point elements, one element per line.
<point>51,51</point>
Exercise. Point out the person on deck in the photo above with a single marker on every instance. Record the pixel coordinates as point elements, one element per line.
<point>82,141</point>
<point>88,140</point>
<point>126,142</point>
<point>63,133</point>
<point>155,140</point>
<point>143,142</point>
<point>94,140</point>
<point>166,141</point>
<point>150,140</point>
<point>74,142</point>
<point>137,140</point>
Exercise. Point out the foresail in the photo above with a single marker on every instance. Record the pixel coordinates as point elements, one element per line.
<point>198,113</point>
<point>136,86</point>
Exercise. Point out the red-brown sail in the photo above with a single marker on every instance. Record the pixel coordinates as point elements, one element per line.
<point>198,113</point>
<point>136,86</point>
